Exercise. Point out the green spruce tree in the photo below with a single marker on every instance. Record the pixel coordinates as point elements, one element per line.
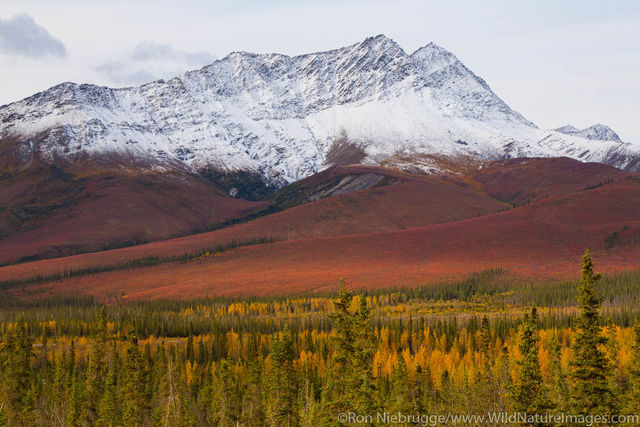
<point>133,389</point>
<point>74,416</point>
<point>590,370</point>
<point>530,393</point>
<point>252,405</point>
<point>400,398</point>
<point>228,393</point>
<point>16,351</point>
<point>280,387</point>
<point>504,383</point>
<point>362,366</point>
<point>96,369</point>
<point>350,385</point>
<point>108,408</point>
<point>559,389</point>
<point>485,393</point>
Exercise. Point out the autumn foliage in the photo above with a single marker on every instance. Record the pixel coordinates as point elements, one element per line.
<point>466,347</point>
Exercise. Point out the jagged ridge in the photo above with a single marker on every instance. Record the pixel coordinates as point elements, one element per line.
<point>281,116</point>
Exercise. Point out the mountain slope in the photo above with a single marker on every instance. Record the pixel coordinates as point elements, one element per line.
<point>389,208</point>
<point>281,117</point>
<point>542,239</point>
<point>338,201</point>
<point>46,212</point>
<point>521,181</point>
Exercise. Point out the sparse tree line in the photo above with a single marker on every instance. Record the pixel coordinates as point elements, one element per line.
<point>145,261</point>
<point>308,368</point>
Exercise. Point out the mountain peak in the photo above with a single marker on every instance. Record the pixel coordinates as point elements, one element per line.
<point>597,132</point>
<point>433,48</point>
<point>381,43</point>
<point>433,58</point>
<point>568,129</point>
<point>380,39</point>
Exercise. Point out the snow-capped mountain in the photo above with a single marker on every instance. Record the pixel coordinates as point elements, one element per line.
<point>283,116</point>
<point>596,132</point>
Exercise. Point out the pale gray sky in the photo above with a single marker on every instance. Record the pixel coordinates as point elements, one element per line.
<point>556,62</point>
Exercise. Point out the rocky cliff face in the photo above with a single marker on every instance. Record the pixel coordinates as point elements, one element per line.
<point>285,117</point>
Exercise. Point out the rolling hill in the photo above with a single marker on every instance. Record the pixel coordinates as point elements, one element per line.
<point>47,212</point>
<point>543,238</point>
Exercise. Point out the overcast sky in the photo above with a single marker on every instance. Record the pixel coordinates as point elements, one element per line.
<point>556,62</point>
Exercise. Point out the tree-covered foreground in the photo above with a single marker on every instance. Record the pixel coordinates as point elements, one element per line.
<point>490,343</point>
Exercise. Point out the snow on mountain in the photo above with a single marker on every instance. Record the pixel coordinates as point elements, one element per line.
<point>282,116</point>
<point>595,133</point>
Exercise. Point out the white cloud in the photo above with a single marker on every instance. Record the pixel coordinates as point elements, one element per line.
<point>150,61</point>
<point>20,35</point>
